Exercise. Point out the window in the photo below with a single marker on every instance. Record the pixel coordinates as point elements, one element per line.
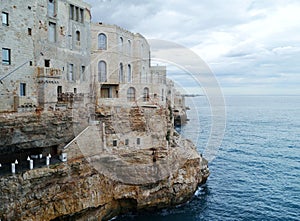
<point>51,8</point>
<point>6,56</point>
<point>72,12</point>
<point>144,73</point>
<point>76,13</point>
<point>77,35</point>
<point>59,90</point>
<point>120,44</point>
<point>162,94</point>
<point>29,31</point>
<point>22,89</point>
<point>131,94</point>
<point>102,41</point>
<point>82,75</point>
<point>129,73</point>
<point>81,15</point>
<point>129,47</point>
<point>121,73</point>
<point>52,32</point>
<point>126,141</point>
<point>102,72</point>
<point>75,90</point>
<point>138,141</point>
<point>5,18</point>
<point>146,94</point>
<point>71,76</point>
<point>47,63</point>
<point>115,142</point>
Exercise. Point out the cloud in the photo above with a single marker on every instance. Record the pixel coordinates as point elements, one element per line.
<point>250,43</point>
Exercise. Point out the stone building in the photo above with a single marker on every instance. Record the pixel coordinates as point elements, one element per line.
<point>130,94</point>
<point>54,58</point>
<point>45,53</point>
<point>121,68</point>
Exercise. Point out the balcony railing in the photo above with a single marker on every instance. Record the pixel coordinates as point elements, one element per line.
<point>49,72</point>
<point>69,97</point>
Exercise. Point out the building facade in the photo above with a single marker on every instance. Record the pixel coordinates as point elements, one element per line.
<point>45,53</point>
<point>121,69</point>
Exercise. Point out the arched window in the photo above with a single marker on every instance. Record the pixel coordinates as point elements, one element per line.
<point>102,72</point>
<point>146,94</point>
<point>102,41</point>
<point>129,73</point>
<point>121,73</point>
<point>77,35</point>
<point>131,94</point>
<point>120,44</point>
<point>129,47</point>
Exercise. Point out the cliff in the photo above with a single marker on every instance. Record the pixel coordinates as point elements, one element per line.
<point>130,159</point>
<point>80,190</point>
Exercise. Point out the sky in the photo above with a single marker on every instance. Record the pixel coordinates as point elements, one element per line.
<point>251,46</point>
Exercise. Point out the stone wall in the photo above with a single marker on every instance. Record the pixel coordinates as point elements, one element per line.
<point>20,131</point>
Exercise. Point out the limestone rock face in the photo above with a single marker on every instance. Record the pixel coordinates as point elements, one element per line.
<point>35,130</point>
<point>79,190</point>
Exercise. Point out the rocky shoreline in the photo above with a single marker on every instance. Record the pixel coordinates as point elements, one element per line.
<point>77,190</point>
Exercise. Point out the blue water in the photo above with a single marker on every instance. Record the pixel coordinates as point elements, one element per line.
<point>256,174</point>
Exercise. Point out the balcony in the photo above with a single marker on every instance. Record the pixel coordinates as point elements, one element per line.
<point>45,72</point>
<point>69,97</point>
<point>22,103</point>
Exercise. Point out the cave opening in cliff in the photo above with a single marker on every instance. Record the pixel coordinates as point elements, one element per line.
<point>21,155</point>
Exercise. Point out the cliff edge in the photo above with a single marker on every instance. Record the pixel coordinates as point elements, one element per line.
<point>80,190</point>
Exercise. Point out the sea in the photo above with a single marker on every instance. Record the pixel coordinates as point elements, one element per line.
<point>255,174</point>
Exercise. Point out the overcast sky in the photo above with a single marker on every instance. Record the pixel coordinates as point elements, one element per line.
<point>252,46</point>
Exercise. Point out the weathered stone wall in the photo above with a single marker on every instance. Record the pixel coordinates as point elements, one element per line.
<point>37,130</point>
<point>15,37</point>
<point>27,37</point>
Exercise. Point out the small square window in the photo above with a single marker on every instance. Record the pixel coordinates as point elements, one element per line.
<point>115,143</point>
<point>29,31</point>
<point>30,63</point>
<point>6,56</point>
<point>29,7</point>
<point>126,141</point>
<point>22,89</point>
<point>138,141</point>
<point>5,18</point>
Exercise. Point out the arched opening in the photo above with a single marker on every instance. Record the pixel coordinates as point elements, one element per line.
<point>77,35</point>
<point>129,47</point>
<point>129,73</point>
<point>146,94</point>
<point>121,73</point>
<point>102,41</point>
<point>121,44</point>
<point>131,94</point>
<point>102,72</point>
